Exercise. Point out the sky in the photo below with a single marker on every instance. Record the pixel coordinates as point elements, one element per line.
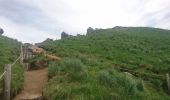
<point>35,20</point>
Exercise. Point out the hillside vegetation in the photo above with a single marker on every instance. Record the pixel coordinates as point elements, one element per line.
<point>9,52</point>
<point>122,63</point>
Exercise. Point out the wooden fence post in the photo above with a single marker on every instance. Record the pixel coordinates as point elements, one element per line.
<point>21,60</point>
<point>168,82</point>
<point>23,48</point>
<point>26,66</point>
<point>7,82</point>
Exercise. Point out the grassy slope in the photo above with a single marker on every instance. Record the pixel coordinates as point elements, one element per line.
<point>144,51</point>
<point>9,51</point>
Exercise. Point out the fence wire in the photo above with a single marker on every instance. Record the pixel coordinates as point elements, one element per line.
<point>11,66</point>
<point>15,61</point>
<point>2,75</point>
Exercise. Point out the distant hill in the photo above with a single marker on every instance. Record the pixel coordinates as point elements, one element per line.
<point>108,57</point>
<point>48,40</point>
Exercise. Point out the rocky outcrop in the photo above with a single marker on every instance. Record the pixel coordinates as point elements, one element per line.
<point>90,31</point>
<point>1,31</point>
<point>93,31</point>
<point>64,35</point>
<point>118,28</point>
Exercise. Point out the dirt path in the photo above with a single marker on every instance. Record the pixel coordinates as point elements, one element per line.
<point>33,84</point>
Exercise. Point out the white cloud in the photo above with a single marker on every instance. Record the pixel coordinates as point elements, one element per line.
<point>23,33</point>
<point>51,17</point>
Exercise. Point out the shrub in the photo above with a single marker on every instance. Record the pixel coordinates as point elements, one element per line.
<point>157,83</point>
<point>91,61</point>
<point>61,88</point>
<point>140,86</point>
<point>128,86</point>
<point>38,61</point>
<point>105,78</point>
<point>72,66</point>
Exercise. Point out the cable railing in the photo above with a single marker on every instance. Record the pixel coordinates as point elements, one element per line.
<point>1,76</point>
<point>16,61</point>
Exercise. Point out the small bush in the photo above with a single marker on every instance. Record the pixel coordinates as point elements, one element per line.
<point>140,86</point>
<point>105,78</point>
<point>61,88</point>
<point>88,60</point>
<point>38,62</point>
<point>157,83</point>
<point>74,67</point>
<point>128,86</point>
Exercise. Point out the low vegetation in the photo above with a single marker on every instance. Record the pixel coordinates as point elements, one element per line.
<point>9,52</point>
<point>110,64</point>
<point>38,62</point>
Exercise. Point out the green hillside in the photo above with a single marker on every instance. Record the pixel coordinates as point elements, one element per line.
<point>121,63</point>
<point>9,52</point>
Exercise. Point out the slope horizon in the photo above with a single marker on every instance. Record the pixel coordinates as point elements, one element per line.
<point>74,34</point>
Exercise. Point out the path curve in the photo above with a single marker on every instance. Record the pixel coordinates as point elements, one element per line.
<point>33,84</point>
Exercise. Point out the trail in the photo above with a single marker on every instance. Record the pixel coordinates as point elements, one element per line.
<point>33,84</point>
<point>35,80</point>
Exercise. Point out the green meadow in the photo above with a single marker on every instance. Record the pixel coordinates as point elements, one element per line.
<point>126,63</point>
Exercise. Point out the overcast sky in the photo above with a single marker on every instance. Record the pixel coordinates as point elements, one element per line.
<point>35,20</point>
